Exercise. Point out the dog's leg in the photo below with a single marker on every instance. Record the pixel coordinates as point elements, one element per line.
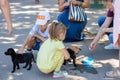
<point>74,63</point>
<point>33,58</point>
<point>30,65</point>
<point>18,67</point>
<point>26,64</point>
<point>69,60</point>
<point>64,62</point>
<point>14,67</point>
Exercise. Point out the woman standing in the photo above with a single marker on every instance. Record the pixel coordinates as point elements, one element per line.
<point>116,36</point>
<point>5,8</point>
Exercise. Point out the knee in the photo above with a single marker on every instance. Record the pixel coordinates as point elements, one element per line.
<point>59,18</point>
<point>101,20</point>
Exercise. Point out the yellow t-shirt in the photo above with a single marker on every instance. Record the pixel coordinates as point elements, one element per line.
<point>46,53</point>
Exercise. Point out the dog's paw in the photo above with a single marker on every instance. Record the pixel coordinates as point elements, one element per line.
<point>28,68</point>
<point>69,60</point>
<point>12,71</point>
<point>64,63</point>
<point>75,65</point>
<point>24,66</point>
<point>18,68</point>
<point>33,61</point>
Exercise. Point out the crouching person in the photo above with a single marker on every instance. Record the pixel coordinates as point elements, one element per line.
<point>52,52</point>
<point>38,34</point>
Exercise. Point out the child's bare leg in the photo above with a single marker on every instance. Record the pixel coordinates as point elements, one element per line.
<point>32,43</point>
<point>28,42</point>
<point>5,7</point>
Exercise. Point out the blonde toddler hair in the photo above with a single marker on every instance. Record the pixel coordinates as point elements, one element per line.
<point>55,29</point>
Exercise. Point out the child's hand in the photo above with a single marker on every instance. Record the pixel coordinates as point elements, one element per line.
<point>36,34</point>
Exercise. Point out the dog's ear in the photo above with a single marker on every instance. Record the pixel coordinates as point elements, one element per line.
<point>76,49</point>
<point>11,50</point>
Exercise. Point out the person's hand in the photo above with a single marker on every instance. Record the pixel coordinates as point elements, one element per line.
<point>92,45</point>
<point>66,4</point>
<point>74,2</point>
<point>36,34</point>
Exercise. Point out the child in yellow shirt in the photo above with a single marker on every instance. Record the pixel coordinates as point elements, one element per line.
<point>52,52</point>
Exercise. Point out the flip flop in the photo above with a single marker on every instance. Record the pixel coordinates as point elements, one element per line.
<point>113,74</point>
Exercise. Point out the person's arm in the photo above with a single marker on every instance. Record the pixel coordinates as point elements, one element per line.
<point>104,28</point>
<point>66,54</point>
<point>40,37</point>
<point>62,4</point>
<point>25,43</point>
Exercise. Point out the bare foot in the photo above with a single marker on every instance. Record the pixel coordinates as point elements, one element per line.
<point>10,31</point>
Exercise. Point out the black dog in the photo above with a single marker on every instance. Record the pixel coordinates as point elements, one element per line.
<point>72,56</point>
<point>20,58</point>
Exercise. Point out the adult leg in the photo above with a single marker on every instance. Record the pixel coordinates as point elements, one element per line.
<point>119,50</point>
<point>115,73</point>
<point>5,7</point>
<point>110,36</point>
<point>116,31</point>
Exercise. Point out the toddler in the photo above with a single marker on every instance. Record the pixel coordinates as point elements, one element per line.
<point>52,52</point>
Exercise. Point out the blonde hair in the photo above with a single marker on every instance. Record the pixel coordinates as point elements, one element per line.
<point>55,29</point>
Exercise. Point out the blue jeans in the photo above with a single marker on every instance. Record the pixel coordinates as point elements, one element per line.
<point>74,29</point>
<point>110,35</point>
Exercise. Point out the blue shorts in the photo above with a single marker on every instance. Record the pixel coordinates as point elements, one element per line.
<point>37,45</point>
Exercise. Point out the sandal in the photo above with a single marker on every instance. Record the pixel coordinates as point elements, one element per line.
<point>113,74</point>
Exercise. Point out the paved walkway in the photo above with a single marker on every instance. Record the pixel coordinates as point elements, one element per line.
<point>23,15</point>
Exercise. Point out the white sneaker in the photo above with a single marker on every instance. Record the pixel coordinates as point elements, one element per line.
<point>110,46</point>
